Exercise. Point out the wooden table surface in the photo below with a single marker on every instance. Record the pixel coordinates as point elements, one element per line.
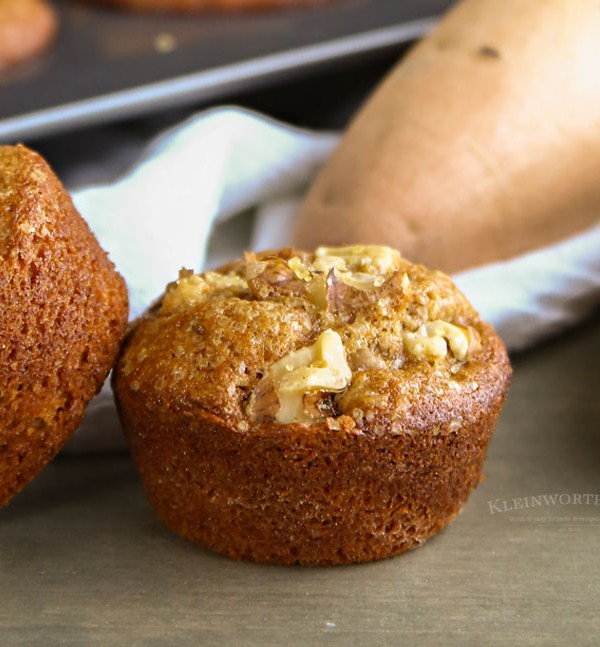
<point>83,561</point>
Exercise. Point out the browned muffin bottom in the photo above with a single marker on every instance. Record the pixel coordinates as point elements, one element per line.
<point>193,6</point>
<point>26,28</point>
<point>63,316</point>
<point>317,408</point>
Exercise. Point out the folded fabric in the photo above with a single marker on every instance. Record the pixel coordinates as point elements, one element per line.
<point>159,216</point>
<point>171,211</point>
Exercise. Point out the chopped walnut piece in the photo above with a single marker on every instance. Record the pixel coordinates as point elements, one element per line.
<point>254,269</point>
<point>319,405</point>
<point>344,298</point>
<point>432,340</point>
<point>400,281</point>
<point>187,291</point>
<point>367,259</point>
<point>273,276</point>
<point>362,267</point>
<point>336,293</point>
<point>191,289</point>
<point>249,258</point>
<point>302,382</point>
<point>364,359</point>
<point>300,268</point>
<point>263,403</point>
<point>273,271</point>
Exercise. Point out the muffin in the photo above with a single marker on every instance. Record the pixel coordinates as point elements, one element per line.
<point>26,28</point>
<point>63,316</point>
<point>204,5</point>
<point>317,408</point>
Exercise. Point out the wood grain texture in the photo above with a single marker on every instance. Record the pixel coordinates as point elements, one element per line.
<point>84,562</point>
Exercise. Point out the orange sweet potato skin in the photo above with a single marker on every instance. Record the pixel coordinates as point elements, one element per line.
<point>483,143</point>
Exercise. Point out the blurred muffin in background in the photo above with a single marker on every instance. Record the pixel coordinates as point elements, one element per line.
<point>27,27</point>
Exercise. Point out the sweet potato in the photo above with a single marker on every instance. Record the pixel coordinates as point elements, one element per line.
<point>482,143</point>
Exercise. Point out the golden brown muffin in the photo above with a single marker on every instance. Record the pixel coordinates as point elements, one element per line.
<point>63,316</point>
<point>204,5</point>
<point>318,408</point>
<point>26,28</point>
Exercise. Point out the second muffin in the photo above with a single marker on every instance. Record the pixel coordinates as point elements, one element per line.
<point>63,316</point>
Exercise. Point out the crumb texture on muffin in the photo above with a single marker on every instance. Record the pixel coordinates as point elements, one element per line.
<point>322,407</point>
<point>63,316</point>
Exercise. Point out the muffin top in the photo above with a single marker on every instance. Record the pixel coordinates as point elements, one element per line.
<point>353,338</point>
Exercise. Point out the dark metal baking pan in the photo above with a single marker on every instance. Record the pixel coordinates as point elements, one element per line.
<point>107,64</point>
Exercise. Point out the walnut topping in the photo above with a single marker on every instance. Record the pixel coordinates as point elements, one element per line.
<point>319,405</point>
<point>263,403</point>
<point>271,276</point>
<point>330,281</point>
<point>191,289</point>
<point>326,262</point>
<point>361,267</point>
<point>368,259</point>
<point>302,382</point>
<point>364,359</point>
<point>431,341</point>
<point>337,293</point>
<point>300,268</point>
<point>273,270</point>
